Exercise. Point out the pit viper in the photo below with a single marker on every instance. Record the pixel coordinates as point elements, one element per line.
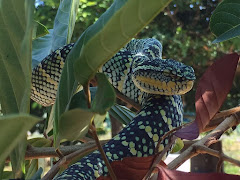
<point>139,72</point>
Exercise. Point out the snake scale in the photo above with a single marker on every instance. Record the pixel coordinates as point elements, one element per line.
<point>139,72</point>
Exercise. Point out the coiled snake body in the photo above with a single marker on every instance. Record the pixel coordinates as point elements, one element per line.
<point>140,73</point>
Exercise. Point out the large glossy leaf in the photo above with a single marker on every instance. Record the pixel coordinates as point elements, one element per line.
<point>212,90</point>
<point>225,20</point>
<point>60,35</point>
<point>15,55</point>
<point>232,33</point>
<point>121,22</point>
<point>15,67</point>
<point>41,47</point>
<point>13,129</point>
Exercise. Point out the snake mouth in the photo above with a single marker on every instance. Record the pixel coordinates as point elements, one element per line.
<point>154,86</point>
<point>164,77</point>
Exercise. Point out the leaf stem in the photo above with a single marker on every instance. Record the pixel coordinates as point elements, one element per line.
<point>94,134</point>
<point>87,94</point>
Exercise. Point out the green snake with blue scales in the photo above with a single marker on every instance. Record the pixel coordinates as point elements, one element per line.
<point>138,72</point>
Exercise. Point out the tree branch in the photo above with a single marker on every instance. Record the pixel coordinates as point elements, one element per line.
<point>66,160</point>
<point>206,141</point>
<point>45,152</point>
<point>220,117</point>
<point>220,155</point>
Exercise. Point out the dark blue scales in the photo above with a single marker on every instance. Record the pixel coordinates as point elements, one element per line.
<point>139,139</point>
<point>140,60</point>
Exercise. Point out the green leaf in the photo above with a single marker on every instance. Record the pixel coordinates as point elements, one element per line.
<point>39,142</point>
<point>60,35</point>
<point>39,30</point>
<point>118,25</point>
<point>15,68</point>
<point>79,99</point>
<point>64,23</point>
<point>41,47</point>
<point>7,175</point>
<point>31,168</point>
<point>105,95</point>
<point>111,32</point>
<point>17,158</point>
<point>15,54</point>
<point>121,113</point>
<point>98,120</point>
<point>232,33</point>
<point>178,145</point>
<point>13,129</point>
<point>225,20</point>
<point>38,174</point>
<point>74,124</point>
<point>2,164</point>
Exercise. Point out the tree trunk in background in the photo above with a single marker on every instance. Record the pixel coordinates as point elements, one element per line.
<point>204,163</point>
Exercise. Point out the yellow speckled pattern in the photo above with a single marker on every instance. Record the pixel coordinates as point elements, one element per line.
<point>46,76</point>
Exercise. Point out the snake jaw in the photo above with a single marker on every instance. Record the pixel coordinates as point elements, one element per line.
<point>152,86</point>
<point>164,77</point>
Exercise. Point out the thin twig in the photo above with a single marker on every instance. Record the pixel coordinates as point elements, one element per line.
<point>59,153</point>
<point>220,117</point>
<point>87,94</point>
<point>209,139</point>
<point>169,133</point>
<point>227,113</point>
<point>94,134</point>
<point>204,149</point>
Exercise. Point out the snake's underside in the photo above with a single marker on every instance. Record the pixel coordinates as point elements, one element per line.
<point>139,72</point>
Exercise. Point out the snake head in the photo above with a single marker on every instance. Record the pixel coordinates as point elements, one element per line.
<point>162,76</point>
